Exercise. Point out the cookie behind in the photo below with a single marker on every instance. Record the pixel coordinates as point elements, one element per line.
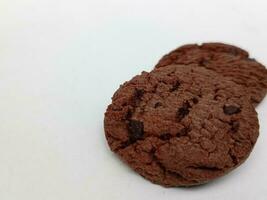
<point>227,60</point>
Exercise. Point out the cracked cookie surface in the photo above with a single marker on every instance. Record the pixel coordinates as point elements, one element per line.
<point>181,125</point>
<point>227,60</point>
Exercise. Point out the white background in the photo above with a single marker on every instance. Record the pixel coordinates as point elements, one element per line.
<point>61,61</point>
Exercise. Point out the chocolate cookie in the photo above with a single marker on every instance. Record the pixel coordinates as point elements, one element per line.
<point>181,125</point>
<point>229,61</point>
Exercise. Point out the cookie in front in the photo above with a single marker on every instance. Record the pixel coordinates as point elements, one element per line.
<point>181,125</point>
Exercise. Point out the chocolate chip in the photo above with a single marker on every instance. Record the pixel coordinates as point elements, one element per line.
<point>175,86</point>
<point>183,132</point>
<point>234,126</point>
<point>128,114</point>
<point>125,144</point>
<point>234,52</point>
<point>137,96</point>
<point>234,157</point>
<point>206,168</point>
<point>139,93</point>
<point>230,109</point>
<point>136,130</point>
<point>203,62</point>
<point>183,111</point>
<point>165,136</point>
<point>195,100</point>
<point>158,104</point>
<point>251,59</point>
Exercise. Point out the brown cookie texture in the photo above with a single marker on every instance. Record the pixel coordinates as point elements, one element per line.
<point>227,60</point>
<point>181,125</point>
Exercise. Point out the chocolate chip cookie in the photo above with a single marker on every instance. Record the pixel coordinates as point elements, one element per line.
<point>181,125</point>
<point>227,60</point>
